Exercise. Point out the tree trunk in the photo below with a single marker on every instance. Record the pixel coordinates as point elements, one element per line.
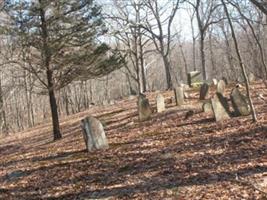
<point>53,105</point>
<point>202,54</point>
<point>212,55</point>
<point>141,57</point>
<point>184,59</point>
<point>49,73</point>
<point>3,121</point>
<point>253,113</point>
<point>168,72</point>
<point>193,45</point>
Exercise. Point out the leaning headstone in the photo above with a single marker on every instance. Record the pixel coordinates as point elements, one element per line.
<point>160,103</point>
<point>94,134</point>
<point>220,107</point>
<point>240,103</point>
<point>204,90</point>
<point>207,107</point>
<point>221,87</point>
<point>179,96</point>
<point>193,77</point>
<point>214,81</point>
<point>144,109</point>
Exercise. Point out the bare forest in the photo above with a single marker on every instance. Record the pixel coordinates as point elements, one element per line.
<point>176,87</point>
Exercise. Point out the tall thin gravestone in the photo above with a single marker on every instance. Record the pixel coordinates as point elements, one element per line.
<point>179,96</point>
<point>94,134</point>
<point>214,81</point>
<point>221,87</point>
<point>204,90</point>
<point>225,80</point>
<point>160,103</point>
<point>144,109</point>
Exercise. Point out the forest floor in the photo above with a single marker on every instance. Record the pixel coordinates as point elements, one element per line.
<point>166,157</point>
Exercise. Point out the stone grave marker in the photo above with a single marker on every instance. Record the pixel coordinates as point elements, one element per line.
<point>204,90</point>
<point>251,77</point>
<point>160,103</point>
<point>207,107</point>
<point>220,107</point>
<point>240,103</point>
<point>225,80</point>
<point>94,134</point>
<point>179,96</point>
<point>144,109</point>
<point>214,81</point>
<point>193,77</point>
<point>221,87</point>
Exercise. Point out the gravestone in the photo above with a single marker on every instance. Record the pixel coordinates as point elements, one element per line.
<point>214,81</point>
<point>111,102</point>
<point>105,103</point>
<point>131,97</point>
<point>94,134</point>
<point>204,90</point>
<point>144,109</point>
<point>160,103</point>
<point>221,87</point>
<point>225,80</point>
<point>186,95</point>
<point>240,103</point>
<point>220,107</point>
<point>251,77</point>
<point>193,77</point>
<point>207,107</point>
<point>179,96</point>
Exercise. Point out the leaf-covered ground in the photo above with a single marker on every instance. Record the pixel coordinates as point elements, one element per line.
<point>166,157</point>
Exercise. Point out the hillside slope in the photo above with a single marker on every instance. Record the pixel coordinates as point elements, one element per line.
<point>166,157</point>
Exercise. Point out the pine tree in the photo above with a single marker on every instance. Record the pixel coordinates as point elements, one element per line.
<point>60,41</point>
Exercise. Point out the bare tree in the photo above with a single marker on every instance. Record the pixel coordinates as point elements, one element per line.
<point>261,4</point>
<point>241,64</point>
<point>125,20</point>
<point>159,26</point>
<point>205,17</point>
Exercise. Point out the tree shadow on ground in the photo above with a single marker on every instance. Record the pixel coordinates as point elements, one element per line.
<point>167,168</point>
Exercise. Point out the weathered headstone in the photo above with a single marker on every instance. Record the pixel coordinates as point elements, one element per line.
<point>204,90</point>
<point>240,103</point>
<point>94,134</point>
<point>194,77</point>
<point>131,97</point>
<point>111,102</point>
<point>207,107</point>
<point>105,102</point>
<point>251,77</point>
<point>160,103</point>
<point>214,81</point>
<point>186,95</point>
<point>144,109</point>
<point>221,87</point>
<point>179,96</point>
<point>220,107</point>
